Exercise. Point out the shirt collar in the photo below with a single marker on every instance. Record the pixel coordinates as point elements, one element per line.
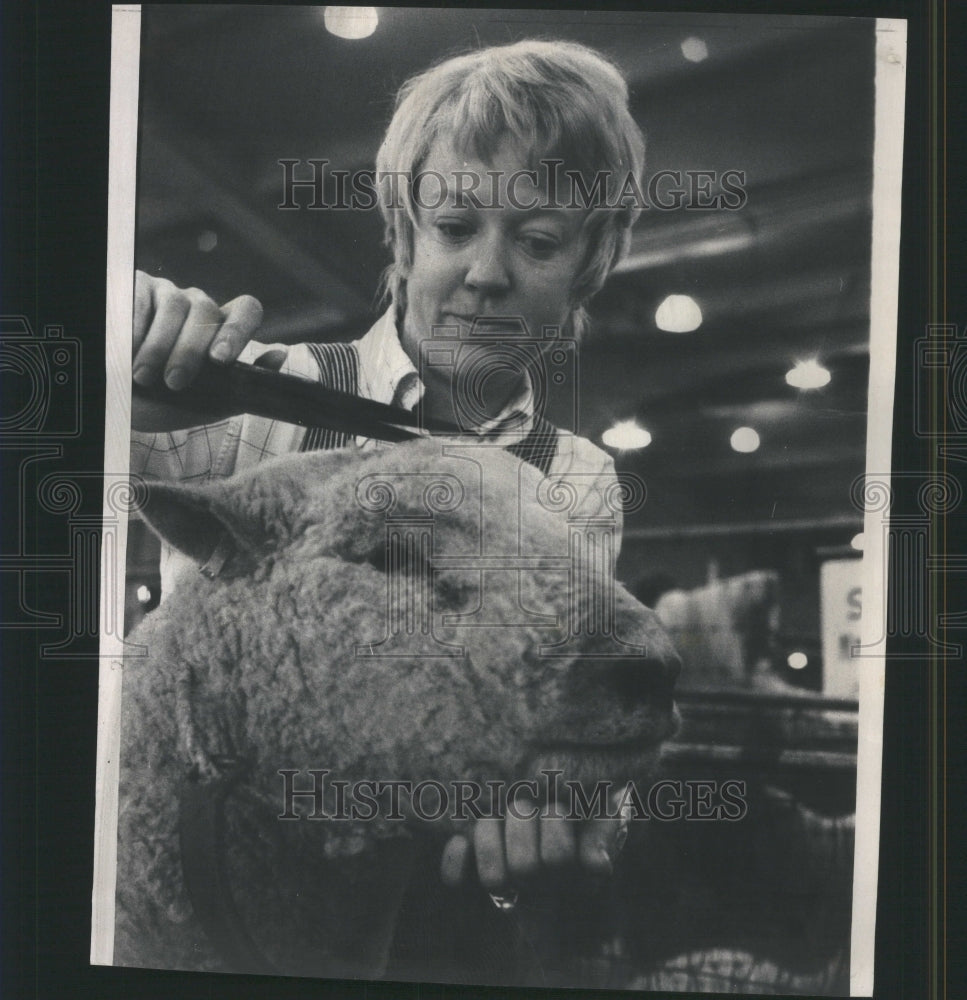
<point>387,375</point>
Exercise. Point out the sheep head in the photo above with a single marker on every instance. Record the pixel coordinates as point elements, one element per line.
<point>418,613</point>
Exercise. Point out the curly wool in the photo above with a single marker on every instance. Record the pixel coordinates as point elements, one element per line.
<point>264,664</point>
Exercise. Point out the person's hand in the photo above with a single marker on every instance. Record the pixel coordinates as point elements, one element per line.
<point>503,854</point>
<point>175,332</point>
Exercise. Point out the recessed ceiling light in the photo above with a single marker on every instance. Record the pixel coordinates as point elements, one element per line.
<point>808,375</point>
<point>694,49</point>
<point>797,660</point>
<point>626,435</point>
<point>678,314</point>
<point>351,22</point>
<point>744,439</point>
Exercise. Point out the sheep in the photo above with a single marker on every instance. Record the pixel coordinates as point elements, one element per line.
<point>278,656</point>
<point>726,630</point>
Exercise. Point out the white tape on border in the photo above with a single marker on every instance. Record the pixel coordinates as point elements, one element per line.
<point>122,174</point>
<point>891,49</point>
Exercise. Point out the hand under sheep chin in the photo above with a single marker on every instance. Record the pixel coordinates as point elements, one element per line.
<point>505,854</point>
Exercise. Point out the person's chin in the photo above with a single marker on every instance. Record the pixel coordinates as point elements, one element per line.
<point>461,324</point>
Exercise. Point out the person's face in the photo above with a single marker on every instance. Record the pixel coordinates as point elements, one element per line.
<point>497,258</point>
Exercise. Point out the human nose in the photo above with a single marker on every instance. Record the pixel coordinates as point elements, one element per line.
<point>487,270</point>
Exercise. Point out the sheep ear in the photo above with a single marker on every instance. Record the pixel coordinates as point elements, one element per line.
<point>198,522</point>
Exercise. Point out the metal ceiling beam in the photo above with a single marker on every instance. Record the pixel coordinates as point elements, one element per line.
<point>774,214</point>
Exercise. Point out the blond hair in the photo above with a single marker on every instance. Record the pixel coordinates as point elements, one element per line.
<point>556,100</point>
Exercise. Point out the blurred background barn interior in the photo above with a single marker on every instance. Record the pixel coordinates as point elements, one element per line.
<point>226,93</point>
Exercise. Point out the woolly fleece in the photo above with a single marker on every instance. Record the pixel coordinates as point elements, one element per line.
<point>260,663</point>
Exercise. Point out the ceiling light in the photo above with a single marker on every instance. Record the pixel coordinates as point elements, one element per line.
<point>351,22</point>
<point>678,314</point>
<point>744,439</point>
<point>808,375</point>
<point>797,660</point>
<point>694,49</point>
<point>626,435</point>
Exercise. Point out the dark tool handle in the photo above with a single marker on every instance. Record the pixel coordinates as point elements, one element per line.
<point>243,388</point>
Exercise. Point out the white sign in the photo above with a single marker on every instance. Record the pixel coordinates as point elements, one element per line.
<point>840,606</point>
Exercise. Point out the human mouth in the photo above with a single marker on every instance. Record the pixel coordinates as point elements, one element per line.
<point>459,319</point>
<point>483,324</point>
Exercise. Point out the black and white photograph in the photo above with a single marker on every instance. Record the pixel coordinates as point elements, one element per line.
<point>499,403</point>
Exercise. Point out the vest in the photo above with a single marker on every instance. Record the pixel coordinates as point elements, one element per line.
<point>339,369</point>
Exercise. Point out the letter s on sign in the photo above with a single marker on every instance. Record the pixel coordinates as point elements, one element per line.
<point>854,600</point>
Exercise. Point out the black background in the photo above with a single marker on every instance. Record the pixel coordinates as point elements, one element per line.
<point>56,63</point>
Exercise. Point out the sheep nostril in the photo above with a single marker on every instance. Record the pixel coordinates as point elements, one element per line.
<point>636,680</point>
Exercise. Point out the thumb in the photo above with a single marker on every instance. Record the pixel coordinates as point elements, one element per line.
<point>241,319</point>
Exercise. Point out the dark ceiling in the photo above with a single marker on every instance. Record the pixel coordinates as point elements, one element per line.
<point>228,92</point>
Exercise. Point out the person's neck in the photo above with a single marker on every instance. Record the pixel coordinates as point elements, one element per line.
<point>437,402</point>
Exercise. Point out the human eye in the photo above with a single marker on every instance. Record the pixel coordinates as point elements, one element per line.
<point>453,230</point>
<point>539,244</point>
